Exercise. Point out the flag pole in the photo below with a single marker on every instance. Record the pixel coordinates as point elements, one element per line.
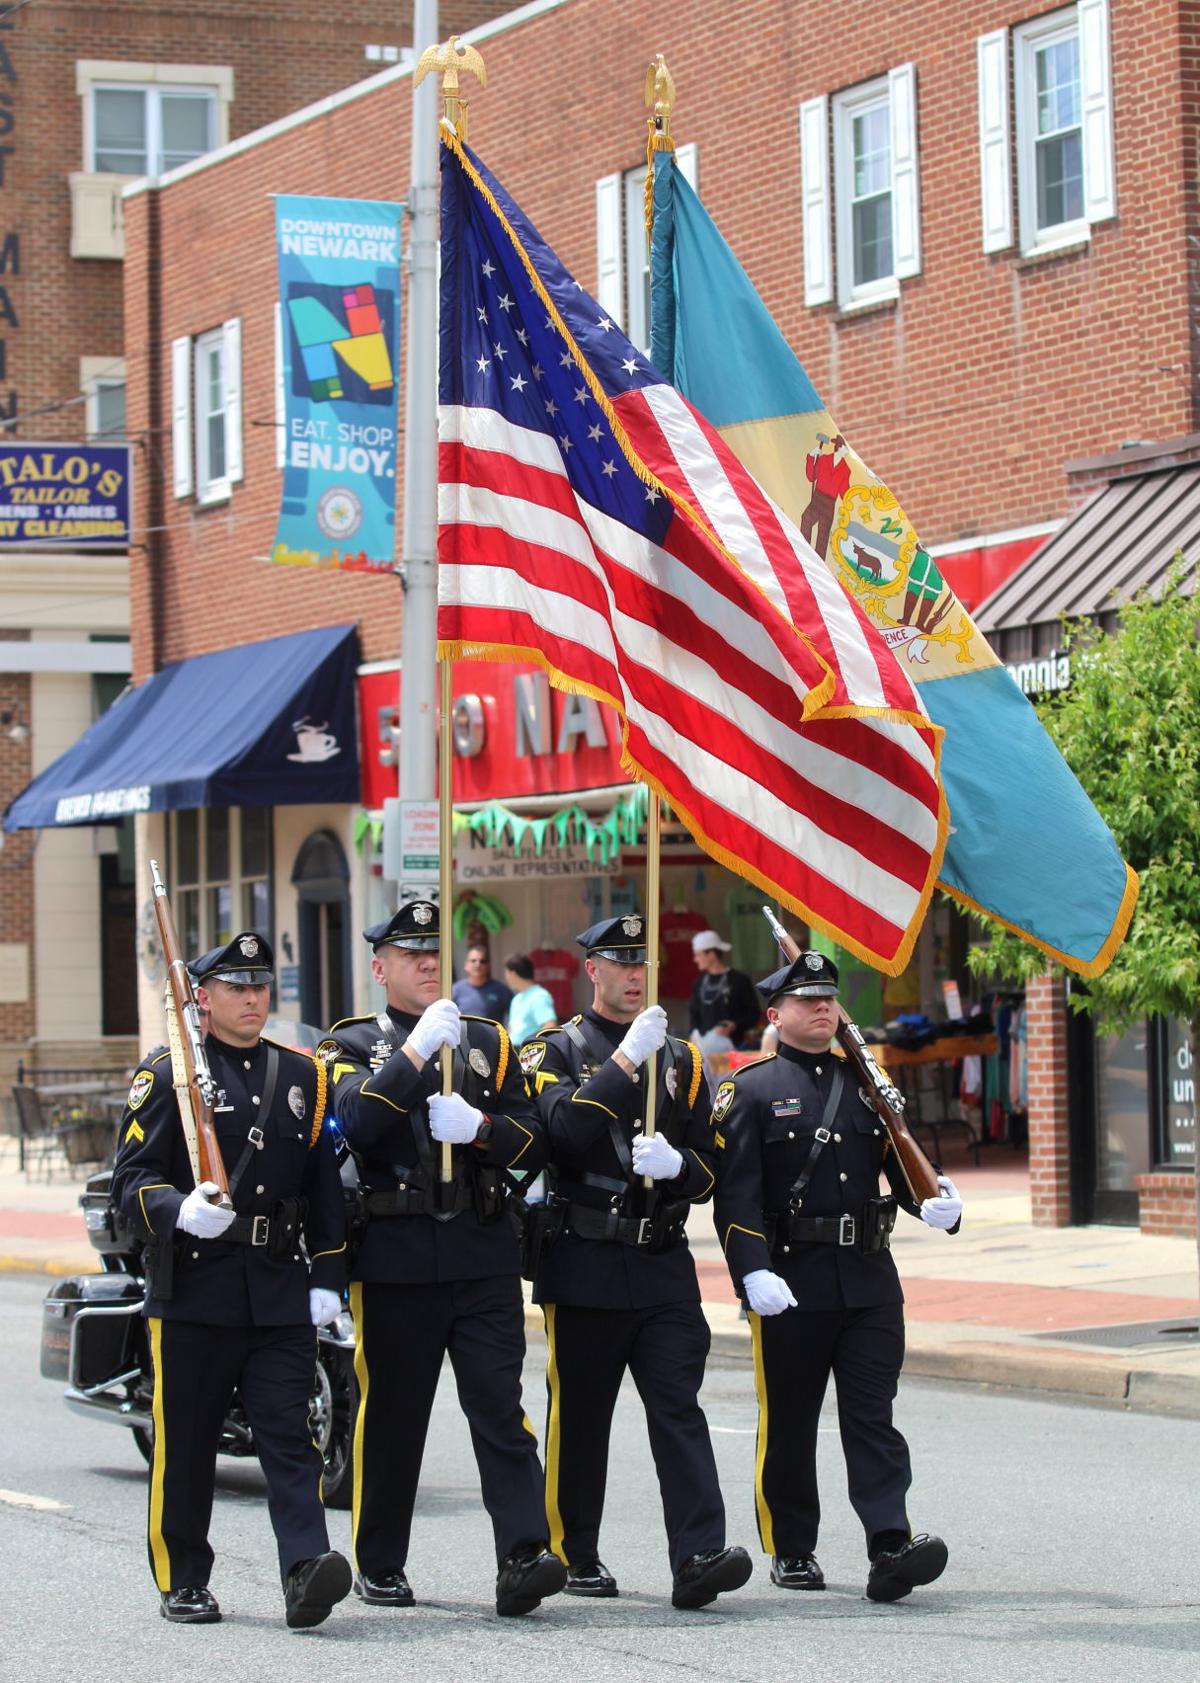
<point>451,58</point>
<point>653,881</point>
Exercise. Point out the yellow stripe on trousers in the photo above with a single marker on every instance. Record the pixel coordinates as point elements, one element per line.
<point>360,1419</point>
<point>766,1526</point>
<point>553,1438</point>
<point>158,1467</point>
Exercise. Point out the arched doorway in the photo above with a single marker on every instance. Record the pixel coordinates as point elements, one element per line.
<point>322,881</point>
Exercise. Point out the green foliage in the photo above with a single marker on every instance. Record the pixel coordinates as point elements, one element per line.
<point>1129,728</point>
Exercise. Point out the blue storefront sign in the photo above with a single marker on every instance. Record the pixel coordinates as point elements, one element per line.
<point>64,496</point>
<point>339,288</point>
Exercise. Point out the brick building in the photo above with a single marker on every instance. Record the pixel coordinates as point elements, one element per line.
<point>92,97</point>
<point>976,233</point>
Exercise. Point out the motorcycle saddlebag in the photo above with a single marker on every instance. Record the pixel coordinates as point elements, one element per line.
<point>105,1339</point>
<point>107,1228</point>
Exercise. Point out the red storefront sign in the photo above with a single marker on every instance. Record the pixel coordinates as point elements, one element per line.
<point>514,735</point>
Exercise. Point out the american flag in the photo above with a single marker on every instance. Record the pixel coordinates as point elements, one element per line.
<point>591,520</point>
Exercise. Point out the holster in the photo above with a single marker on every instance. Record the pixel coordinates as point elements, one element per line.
<point>538,1225</point>
<point>489,1193</point>
<point>878,1217</point>
<point>158,1261</point>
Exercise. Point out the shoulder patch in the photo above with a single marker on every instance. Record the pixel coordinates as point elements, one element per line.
<point>531,1055</point>
<point>139,1089</point>
<point>723,1100</point>
<point>327,1051</point>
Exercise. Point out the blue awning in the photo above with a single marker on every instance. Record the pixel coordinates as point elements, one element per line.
<point>264,724</point>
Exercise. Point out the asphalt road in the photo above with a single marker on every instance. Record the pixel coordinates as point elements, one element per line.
<point>1072,1536</point>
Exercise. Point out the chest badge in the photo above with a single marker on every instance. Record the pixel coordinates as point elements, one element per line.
<point>296,1103</point>
<point>866,1098</point>
<point>478,1062</point>
<point>672,1080</point>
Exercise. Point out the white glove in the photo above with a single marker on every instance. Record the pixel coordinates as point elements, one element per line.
<point>943,1212</point>
<point>440,1025</point>
<point>452,1120</point>
<point>766,1293</point>
<point>200,1218</point>
<point>323,1306</point>
<point>645,1034</point>
<point>656,1157</point>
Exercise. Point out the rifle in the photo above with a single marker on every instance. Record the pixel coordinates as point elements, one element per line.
<point>195,1088</point>
<point>885,1097</point>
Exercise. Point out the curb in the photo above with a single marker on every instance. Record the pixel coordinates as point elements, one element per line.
<point>55,1266</point>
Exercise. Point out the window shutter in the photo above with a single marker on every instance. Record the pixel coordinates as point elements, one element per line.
<point>231,367</point>
<point>688,159</point>
<point>610,281</point>
<point>906,197</point>
<point>1099,182</point>
<point>181,415</point>
<point>995,140</point>
<point>280,392</point>
<point>814,194</point>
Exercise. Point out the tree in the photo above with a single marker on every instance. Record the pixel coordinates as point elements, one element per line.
<point>1129,728</point>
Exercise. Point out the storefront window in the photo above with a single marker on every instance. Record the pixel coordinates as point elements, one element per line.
<point>221,876</point>
<point>1177,1148</point>
<point>1122,1110</point>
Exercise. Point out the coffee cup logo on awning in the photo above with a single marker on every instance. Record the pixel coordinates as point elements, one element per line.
<point>314,743</point>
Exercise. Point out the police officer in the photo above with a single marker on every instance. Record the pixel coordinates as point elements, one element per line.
<point>806,1236</point>
<point>438,1267</point>
<point>233,1295</point>
<point>617,1282</point>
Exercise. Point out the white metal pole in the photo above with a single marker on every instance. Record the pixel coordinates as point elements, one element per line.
<point>418,677</point>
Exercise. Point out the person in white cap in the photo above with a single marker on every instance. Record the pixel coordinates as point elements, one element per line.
<point>723,1000</point>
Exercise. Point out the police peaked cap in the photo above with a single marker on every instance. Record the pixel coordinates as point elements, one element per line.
<point>809,976</point>
<point>247,958</point>
<point>415,927</point>
<point>623,939</point>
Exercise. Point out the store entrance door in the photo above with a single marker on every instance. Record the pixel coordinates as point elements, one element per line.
<point>322,880</point>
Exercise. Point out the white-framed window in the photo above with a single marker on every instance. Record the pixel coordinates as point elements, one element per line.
<point>862,164</point>
<point>622,257</point>
<point>1063,151</point>
<point>206,412</point>
<point>221,876</point>
<point>102,381</point>
<point>147,131</point>
<point>866,210</point>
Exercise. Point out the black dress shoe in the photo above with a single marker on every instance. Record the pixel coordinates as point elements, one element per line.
<point>314,1587</point>
<point>590,1577</point>
<point>896,1572</point>
<point>525,1579</point>
<point>796,1571</point>
<point>706,1576</point>
<point>190,1604</point>
<point>384,1589</point>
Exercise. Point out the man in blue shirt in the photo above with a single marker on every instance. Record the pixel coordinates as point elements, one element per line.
<point>532,1010</point>
<point>477,993</point>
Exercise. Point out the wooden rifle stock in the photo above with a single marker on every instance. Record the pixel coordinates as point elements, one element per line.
<point>195,1089</point>
<point>885,1097</point>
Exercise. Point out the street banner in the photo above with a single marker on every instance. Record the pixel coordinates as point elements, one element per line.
<point>64,496</point>
<point>590,519</point>
<point>339,327</point>
<point>1026,845</point>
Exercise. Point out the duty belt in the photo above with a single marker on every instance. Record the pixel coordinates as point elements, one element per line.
<point>842,1230</point>
<point>622,1230</point>
<point>407,1200</point>
<point>277,1232</point>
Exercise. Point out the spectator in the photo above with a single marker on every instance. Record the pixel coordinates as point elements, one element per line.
<point>722,999</point>
<point>532,1010</point>
<point>477,993</point>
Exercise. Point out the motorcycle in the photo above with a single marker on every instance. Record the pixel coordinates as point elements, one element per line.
<point>94,1339</point>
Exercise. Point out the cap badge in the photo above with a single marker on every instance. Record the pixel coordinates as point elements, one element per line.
<point>296,1103</point>
<point>422,914</point>
<point>478,1062</point>
<point>631,925</point>
<point>814,961</point>
<point>248,946</point>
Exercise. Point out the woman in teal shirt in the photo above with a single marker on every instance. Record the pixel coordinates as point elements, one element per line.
<point>532,1008</point>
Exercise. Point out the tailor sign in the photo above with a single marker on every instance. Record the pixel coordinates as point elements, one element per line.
<point>64,496</point>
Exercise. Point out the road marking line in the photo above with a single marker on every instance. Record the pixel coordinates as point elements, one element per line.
<point>19,1499</point>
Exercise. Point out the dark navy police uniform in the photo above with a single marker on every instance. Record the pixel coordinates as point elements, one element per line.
<point>233,1312</point>
<point>834,1256</point>
<point>436,1270</point>
<point>618,1284</point>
